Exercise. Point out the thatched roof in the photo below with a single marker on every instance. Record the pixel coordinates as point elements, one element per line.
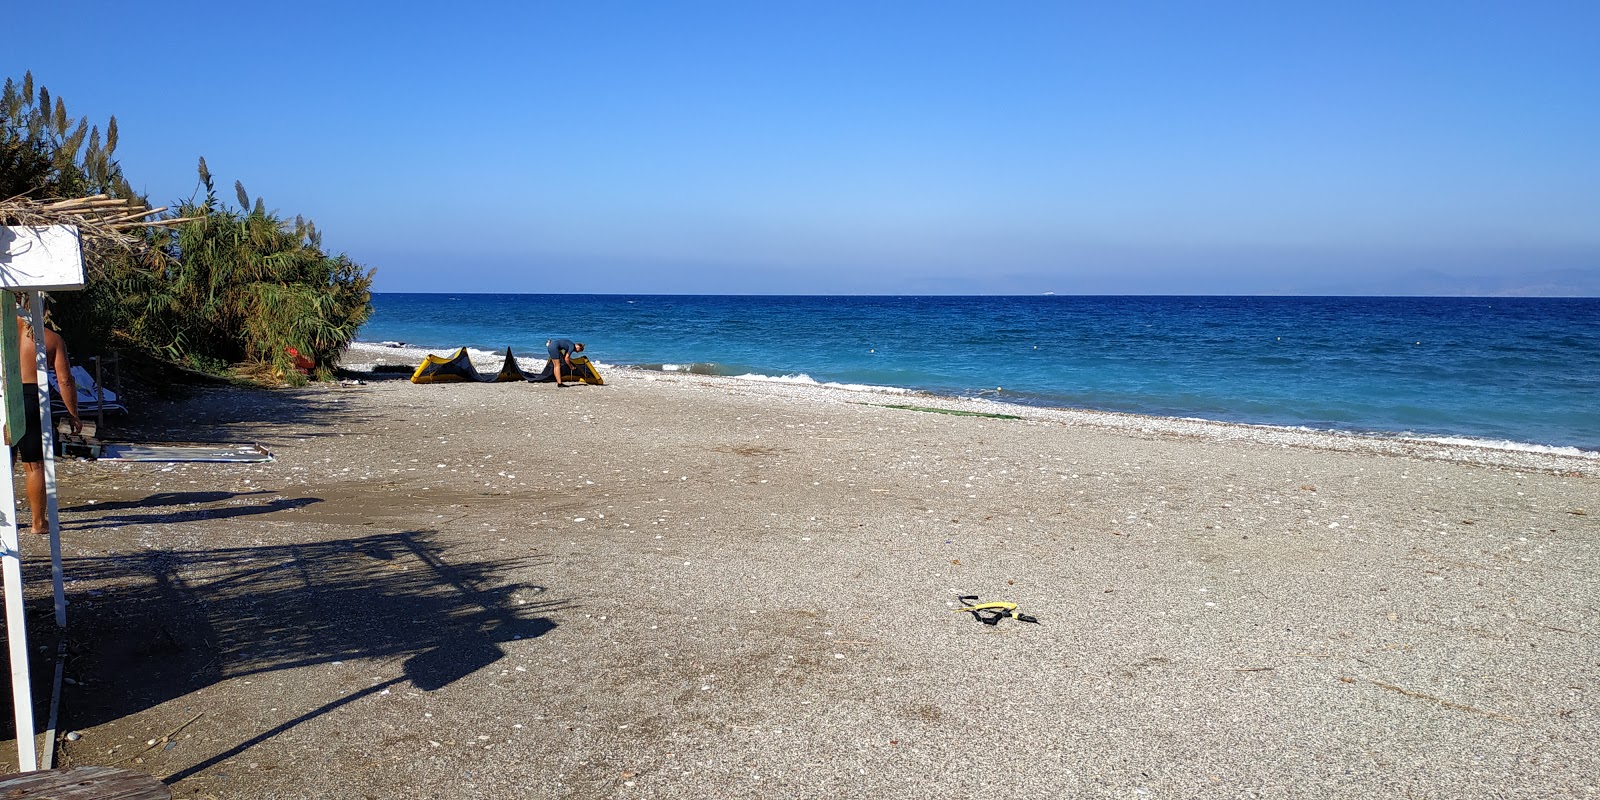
<point>101,219</point>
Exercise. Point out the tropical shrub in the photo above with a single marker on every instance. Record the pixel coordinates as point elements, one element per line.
<point>220,285</point>
<point>244,285</point>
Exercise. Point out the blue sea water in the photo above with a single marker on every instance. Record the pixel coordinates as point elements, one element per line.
<point>1521,370</point>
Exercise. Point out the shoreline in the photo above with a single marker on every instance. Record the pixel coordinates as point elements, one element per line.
<point>361,357</point>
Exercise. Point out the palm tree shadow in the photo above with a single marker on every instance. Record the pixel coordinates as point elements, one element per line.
<point>188,514</point>
<point>164,499</point>
<point>153,626</point>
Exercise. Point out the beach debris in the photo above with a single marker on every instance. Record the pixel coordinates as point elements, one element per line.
<point>1578,512</point>
<point>152,743</point>
<point>73,736</point>
<point>1441,701</point>
<point>992,612</point>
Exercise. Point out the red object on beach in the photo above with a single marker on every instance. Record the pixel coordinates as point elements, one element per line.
<point>300,362</point>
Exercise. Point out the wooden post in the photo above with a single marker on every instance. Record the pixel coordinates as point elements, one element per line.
<point>16,623</point>
<point>10,550</point>
<point>47,430</point>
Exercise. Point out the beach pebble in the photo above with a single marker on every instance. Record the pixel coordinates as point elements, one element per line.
<point>73,736</point>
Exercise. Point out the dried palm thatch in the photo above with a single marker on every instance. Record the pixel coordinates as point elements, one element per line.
<point>102,221</point>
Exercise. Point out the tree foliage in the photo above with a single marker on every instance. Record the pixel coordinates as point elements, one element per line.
<point>250,285</point>
<point>229,286</point>
<point>45,153</point>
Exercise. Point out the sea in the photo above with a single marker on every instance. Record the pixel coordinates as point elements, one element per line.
<point>1518,373</point>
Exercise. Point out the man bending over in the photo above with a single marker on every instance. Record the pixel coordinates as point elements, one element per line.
<point>561,351</point>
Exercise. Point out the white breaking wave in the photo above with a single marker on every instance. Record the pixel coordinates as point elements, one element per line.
<point>800,378</point>
<point>1506,444</point>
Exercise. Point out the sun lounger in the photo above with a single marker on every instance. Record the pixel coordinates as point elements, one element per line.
<point>90,397</point>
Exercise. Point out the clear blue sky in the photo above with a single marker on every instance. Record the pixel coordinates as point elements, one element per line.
<point>874,147</point>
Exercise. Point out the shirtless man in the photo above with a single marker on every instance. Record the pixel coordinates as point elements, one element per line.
<point>30,448</point>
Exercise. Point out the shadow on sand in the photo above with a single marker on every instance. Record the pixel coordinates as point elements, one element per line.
<point>164,499</point>
<point>190,512</point>
<point>238,413</point>
<point>153,626</point>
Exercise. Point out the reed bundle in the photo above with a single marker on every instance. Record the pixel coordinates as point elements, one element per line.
<point>100,219</point>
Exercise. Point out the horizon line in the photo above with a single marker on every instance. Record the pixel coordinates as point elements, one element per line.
<point>1013,294</point>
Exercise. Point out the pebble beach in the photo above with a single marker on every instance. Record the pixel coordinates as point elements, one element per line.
<point>683,586</point>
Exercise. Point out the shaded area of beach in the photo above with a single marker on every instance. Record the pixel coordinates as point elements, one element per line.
<point>680,586</point>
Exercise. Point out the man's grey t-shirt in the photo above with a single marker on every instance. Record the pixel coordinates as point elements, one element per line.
<point>560,347</point>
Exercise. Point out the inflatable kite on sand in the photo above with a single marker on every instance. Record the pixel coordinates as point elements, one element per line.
<point>458,369</point>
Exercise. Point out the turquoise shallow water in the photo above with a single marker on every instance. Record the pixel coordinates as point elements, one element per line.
<point>1506,369</point>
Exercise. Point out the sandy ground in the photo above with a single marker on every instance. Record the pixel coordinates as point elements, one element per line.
<point>682,587</point>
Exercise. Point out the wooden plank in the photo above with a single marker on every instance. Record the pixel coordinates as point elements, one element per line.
<point>83,783</point>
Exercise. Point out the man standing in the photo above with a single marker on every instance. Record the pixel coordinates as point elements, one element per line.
<point>30,448</point>
<point>560,351</point>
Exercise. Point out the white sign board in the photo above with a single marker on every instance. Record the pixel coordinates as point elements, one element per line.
<point>43,258</point>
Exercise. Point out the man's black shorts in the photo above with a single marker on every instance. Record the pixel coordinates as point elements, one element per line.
<point>30,448</point>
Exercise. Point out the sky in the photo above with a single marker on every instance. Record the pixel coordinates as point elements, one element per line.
<point>873,147</point>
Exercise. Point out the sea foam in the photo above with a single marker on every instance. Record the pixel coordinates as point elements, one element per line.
<point>806,380</point>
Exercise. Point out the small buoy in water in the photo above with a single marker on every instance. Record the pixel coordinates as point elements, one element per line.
<point>872,349</point>
<point>997,388</point>
<point>1419,342</point>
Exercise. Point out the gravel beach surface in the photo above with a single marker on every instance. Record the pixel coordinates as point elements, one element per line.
<point>676,586</point>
